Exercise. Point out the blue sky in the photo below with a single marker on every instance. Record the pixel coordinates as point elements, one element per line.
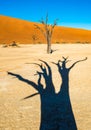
<point>71,13</point>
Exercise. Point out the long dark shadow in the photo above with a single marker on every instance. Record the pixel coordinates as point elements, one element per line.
<point>56,109</point>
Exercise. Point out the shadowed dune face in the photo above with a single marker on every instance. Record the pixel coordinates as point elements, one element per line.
<point>12,29</point>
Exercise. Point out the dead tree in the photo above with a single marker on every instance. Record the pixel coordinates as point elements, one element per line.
<point>47,31</point>
<point>34,37</point>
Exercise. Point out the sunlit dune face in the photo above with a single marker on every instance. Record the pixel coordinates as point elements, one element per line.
<point>12,29</point>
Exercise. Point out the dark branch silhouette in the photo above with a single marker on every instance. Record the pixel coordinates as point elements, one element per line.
<point>77,62</point>
<point>37,87</point>
<point>31,95</point>
<point>56,109</point>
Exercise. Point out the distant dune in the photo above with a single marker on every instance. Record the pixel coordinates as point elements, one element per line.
<point>12,29</point>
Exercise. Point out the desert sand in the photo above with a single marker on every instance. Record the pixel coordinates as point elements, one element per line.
<point>18,114</point>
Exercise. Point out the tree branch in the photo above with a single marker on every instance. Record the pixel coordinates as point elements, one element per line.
<point>77,62</point>
<point>39,28</point>
<point>26,81</point>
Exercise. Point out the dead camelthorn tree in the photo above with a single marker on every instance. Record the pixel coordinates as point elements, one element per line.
<point>34,37</point>
<point>47,31</point>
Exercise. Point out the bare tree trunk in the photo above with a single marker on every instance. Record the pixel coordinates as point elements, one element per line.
<point>48,45</point>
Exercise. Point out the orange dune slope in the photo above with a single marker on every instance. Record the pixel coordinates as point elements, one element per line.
<point>12,29</point>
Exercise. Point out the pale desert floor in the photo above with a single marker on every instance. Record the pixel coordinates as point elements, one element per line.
<point>18,114</point>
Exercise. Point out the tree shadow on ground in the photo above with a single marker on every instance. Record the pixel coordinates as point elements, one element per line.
<point>56,109</point>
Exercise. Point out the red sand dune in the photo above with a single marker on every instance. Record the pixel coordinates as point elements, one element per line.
<point>12,29</point>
